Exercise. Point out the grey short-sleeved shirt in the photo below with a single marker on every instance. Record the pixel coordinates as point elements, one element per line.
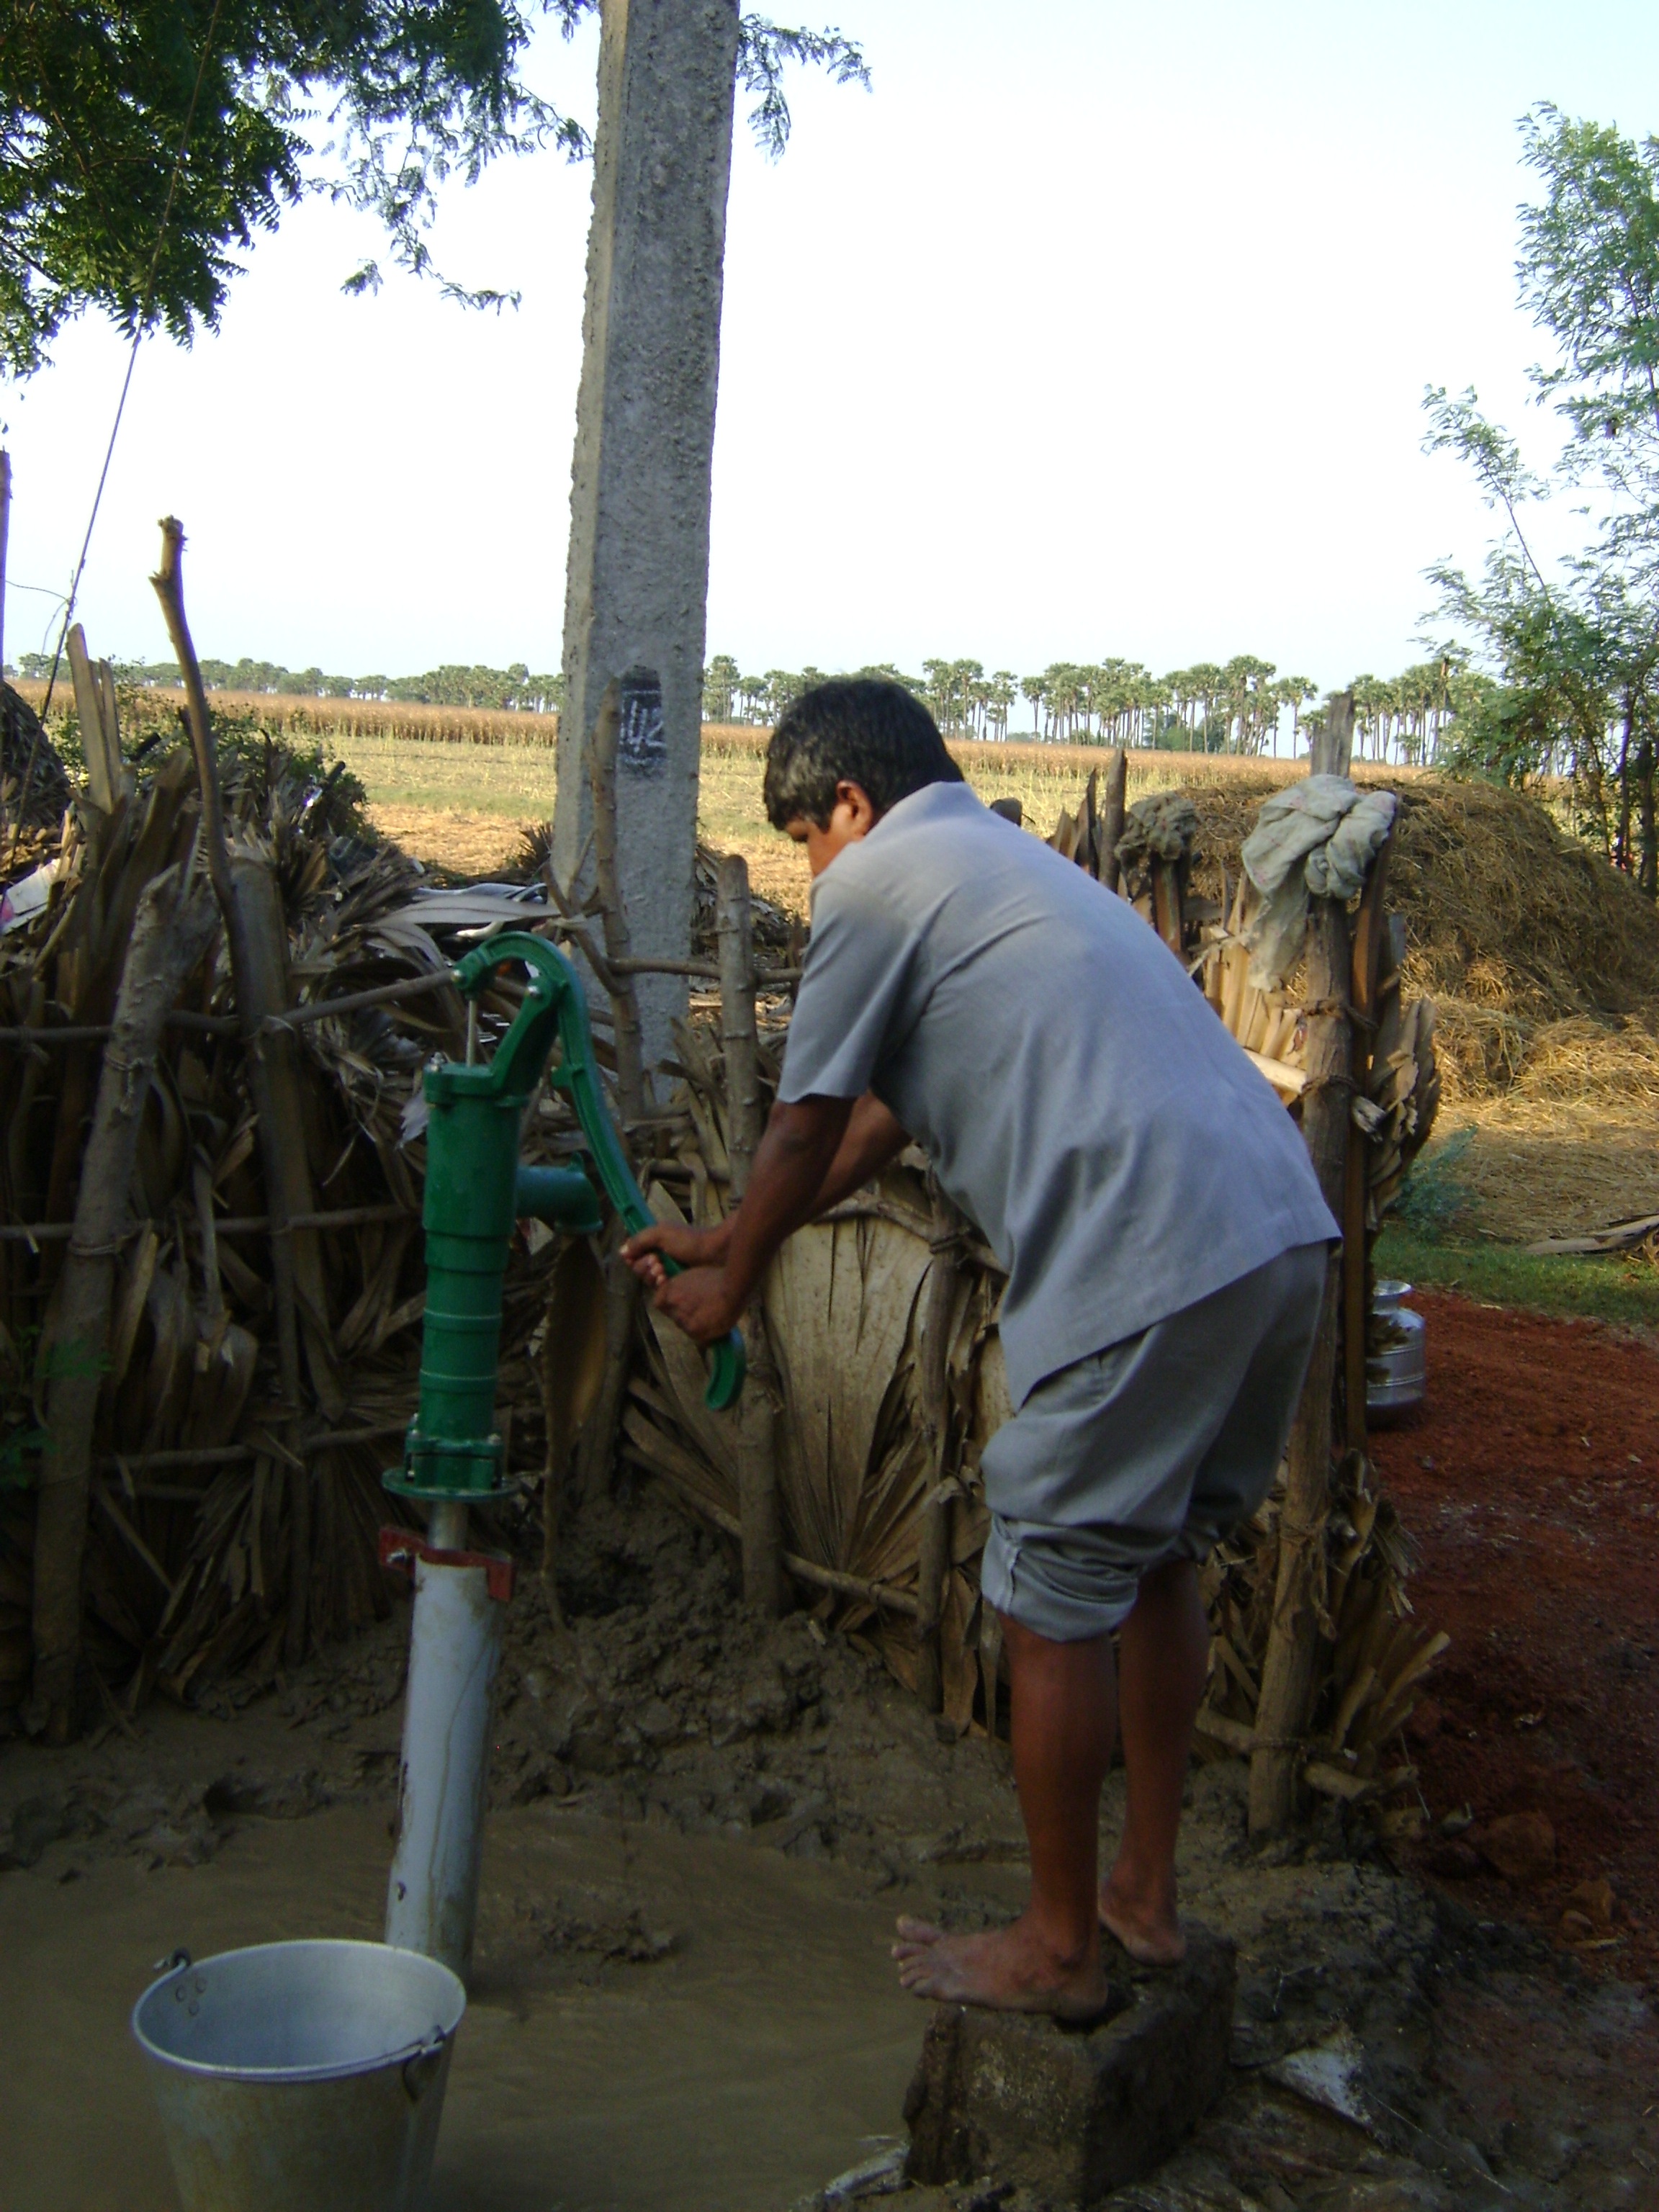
<point>1077,1098</point>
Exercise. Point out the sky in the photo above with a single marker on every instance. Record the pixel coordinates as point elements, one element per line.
<point>1093,328</point>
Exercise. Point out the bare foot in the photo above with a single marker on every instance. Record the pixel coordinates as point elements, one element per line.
<point>1147,1925</point>
<point>1009,1969</point>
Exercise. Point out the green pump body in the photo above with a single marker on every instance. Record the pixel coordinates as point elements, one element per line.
<point>477,1188</point>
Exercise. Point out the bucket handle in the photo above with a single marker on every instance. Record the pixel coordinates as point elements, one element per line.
<point>420,2066</point>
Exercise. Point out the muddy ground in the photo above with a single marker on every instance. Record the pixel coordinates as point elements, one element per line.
<point>702,1829</point>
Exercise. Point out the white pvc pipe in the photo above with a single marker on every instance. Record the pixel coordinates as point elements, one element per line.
<point>455,1648</point>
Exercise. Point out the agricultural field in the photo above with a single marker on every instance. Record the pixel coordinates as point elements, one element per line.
<point>462,805</point>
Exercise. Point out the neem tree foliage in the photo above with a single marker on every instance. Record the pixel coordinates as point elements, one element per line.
<point>374,102</point>
<point>1574,645</point>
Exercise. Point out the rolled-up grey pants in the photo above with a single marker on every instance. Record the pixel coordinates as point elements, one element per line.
<point>1149,1450</point>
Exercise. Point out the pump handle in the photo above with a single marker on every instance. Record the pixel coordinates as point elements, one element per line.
<point>556,996</point>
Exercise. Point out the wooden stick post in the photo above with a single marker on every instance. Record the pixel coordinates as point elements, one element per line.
<point>624,1000</point>
<point>274,1135</point>
<point>933,1560</point>
<point>1370,934</point>
<point>622,1289</point>
<point>758,1505</point>
<point>171,931</point>
<point>1111,825</point>
<point>1288,1672</point>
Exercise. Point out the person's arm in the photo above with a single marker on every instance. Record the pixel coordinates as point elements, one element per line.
<point>813,1153</point>
<point>874,1138</point>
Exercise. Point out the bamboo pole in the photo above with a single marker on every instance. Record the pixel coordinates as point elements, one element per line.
<point>1288,1670</point>
<point>172,929</point>
<point>758,1505</point>
<point>937,1512</point>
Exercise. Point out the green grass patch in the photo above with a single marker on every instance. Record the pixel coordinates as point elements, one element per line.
<point>1614,1287</point>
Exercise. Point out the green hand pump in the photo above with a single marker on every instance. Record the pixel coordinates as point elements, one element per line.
<point>477,1188</point>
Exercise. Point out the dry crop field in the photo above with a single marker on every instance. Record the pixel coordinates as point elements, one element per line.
<point>464,804</point>
<point>1546,974</point>
<point>1548,992</point>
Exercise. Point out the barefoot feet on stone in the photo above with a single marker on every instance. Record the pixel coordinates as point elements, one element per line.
<point>1009,1969</point>
<point>1146,1925</point>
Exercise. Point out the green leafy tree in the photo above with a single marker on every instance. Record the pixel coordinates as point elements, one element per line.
<point>1572,653</point>
<point>144,145</point>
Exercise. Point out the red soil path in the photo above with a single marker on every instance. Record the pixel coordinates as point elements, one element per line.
<point>1530,1484</point>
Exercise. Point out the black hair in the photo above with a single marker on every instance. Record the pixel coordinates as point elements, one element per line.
<point>854,729</point>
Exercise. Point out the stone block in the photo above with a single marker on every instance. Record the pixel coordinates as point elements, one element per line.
<point>1069,2113</point>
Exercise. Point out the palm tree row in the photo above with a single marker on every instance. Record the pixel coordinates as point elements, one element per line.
<point>1240,705</point>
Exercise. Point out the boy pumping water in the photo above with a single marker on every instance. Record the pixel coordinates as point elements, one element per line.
<point>967,989</point>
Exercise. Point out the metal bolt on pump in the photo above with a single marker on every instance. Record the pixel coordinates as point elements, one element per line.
<point>477,1188</point>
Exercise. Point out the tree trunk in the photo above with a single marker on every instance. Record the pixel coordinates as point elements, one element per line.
<point>1648,877</point>
<point>171,931</point>
<point>757,1412</point>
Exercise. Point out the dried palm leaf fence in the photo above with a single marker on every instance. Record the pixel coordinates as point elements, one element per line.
<point>211,1034</point>
<point>877,1331</point>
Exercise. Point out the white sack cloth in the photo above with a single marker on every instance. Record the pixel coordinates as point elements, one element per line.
<point>1316,838</point>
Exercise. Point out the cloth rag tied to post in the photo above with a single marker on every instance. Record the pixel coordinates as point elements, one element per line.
<point>1315,839</point>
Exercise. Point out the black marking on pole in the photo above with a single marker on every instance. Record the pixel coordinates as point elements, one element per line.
<point>641,741</point>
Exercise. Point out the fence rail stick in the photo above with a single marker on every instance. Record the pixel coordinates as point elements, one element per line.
<point>185,1455</point>
<point>808,1571</point>
<point>225,1225</point>
<point>353,1002</point>
<point>98,1033</point>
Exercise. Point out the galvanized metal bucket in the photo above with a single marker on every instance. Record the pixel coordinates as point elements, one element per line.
<point>1397,1371</point>
<point>301,2077</point>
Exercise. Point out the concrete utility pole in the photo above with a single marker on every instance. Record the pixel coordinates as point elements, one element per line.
<point>638,578</point>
